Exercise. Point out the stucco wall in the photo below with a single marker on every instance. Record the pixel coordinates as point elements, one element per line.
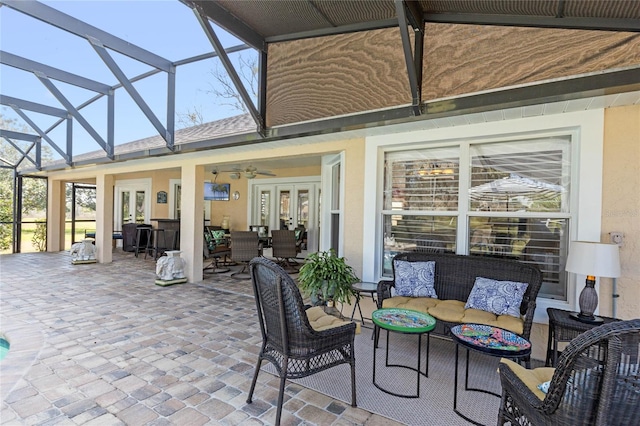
<point>621,212</point>
<point>621,206</point>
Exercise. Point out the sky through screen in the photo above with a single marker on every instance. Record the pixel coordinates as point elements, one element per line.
<point>166,28</point>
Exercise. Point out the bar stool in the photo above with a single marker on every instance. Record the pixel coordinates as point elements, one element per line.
<point>153,243</point>
<point>143,236</point>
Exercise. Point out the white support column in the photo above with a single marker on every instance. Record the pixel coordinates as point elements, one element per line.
<point>192,220</point>
<point>55,212</point>
<point>104,217</point>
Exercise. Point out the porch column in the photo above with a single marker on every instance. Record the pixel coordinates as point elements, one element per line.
<point>55,215</point>
<point>104,217</point>
<point>192,220</point>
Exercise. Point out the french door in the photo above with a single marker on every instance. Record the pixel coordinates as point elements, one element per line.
<point>132,202</point>
<point>285,204</point>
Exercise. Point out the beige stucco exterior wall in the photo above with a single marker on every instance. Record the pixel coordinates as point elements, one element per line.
<point>621,206</point>
<point>621,212</point>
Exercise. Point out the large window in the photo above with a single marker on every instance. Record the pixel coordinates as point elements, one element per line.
<point>502,199</point>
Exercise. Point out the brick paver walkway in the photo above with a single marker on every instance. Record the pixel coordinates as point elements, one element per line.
<point>101,344</point>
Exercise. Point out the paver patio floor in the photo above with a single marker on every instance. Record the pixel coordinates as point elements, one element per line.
<point>101,344</point>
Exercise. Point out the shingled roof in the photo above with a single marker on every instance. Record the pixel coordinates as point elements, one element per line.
<point>202,132</point>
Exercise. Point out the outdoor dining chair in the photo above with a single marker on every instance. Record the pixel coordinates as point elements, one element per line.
<point>289,340</point>
<point>596,382</point>
<point>245,245</point>
<point>216,250</point>
<point>284,248</point>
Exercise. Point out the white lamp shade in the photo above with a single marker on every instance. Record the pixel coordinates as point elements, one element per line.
<point>597,259</point>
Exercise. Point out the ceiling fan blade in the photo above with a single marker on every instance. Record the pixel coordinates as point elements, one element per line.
<point>265,172</point>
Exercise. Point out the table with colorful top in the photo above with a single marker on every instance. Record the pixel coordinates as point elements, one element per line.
<point>492,341</point>
<point>402,321</point>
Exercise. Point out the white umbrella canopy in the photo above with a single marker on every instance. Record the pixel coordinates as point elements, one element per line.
<point>525,190</point>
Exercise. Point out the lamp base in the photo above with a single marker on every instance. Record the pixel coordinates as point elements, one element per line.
<point>593,319</point>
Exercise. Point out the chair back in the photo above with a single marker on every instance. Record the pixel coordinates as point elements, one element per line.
<point>283,321</point>
<point>283,244</point>
<point>597,379</point>
<point>429,244</point>
<point>244,246</point>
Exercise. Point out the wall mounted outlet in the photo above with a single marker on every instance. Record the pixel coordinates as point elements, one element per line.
<point>616,238</point>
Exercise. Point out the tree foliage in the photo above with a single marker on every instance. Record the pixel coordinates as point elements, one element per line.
<point>34,189</point>
<point>224,89</point>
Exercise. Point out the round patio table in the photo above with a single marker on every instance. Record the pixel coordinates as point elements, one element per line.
<point>402,321</point>
<point>492,341</point>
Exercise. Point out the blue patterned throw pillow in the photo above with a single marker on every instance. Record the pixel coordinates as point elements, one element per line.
<point>415,279</point>
<point>498,297</point>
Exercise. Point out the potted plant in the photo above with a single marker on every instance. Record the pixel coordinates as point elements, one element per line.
<point>326,278</point>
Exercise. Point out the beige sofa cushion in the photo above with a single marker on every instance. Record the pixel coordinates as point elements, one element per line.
<point>454,311</point>
<point>320,320</point>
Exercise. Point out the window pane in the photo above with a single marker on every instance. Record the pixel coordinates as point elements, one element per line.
<point>285,209</point>
<point>140,207</point>
<point>265,207</point>
<point>303,208</point>
<point>126,211</point>
<point>417,233</point>
<point>335,187</point>
<point>540,242</point>
<point>530,176</point>
<point>422,180</point>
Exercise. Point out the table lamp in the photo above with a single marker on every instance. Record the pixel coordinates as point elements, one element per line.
<point>593,260</point>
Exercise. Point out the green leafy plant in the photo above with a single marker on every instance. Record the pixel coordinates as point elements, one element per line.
<point>39,239</point>
<point>325,276</point>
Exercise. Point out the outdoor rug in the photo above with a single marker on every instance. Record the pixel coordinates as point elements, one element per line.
<point>435,404</point>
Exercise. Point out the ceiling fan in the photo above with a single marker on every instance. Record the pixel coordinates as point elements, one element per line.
<point>248,172</point>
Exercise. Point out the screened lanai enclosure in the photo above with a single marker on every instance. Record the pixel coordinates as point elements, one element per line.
<point>86,84</point>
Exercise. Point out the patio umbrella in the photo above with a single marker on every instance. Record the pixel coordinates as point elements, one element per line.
<point>527,190</point>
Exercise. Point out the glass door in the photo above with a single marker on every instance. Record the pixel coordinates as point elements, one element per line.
<point>293,206</point>
<point>133,206</point>
<point>132,202</point>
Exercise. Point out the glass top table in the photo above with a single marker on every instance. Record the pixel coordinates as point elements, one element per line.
<point>402,321</point>
<point>492,341</point>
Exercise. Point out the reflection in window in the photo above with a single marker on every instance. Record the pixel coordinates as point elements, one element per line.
<point>265,207</point>
<point>139,206</point>
<point>515,203</point>
<point>285,209</point>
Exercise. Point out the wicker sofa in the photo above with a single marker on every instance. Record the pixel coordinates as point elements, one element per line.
<point>454,279</point>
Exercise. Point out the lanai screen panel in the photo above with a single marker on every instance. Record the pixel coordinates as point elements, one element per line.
<point>461,59</point>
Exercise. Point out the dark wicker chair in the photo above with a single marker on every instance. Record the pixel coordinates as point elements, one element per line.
<point>245,245</point>
<point>596,382</point>
<point>288,340</point>
<point>285,248</point>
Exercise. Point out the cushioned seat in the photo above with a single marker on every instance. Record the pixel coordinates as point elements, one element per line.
<point>453,311</point>
<point>530,378</point>
<point>320,320</point>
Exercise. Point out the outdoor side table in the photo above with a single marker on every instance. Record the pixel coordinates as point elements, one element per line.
<point>359,288</point>
<point>564,328</point>
<point>402,321</point>
<point>492,341</point>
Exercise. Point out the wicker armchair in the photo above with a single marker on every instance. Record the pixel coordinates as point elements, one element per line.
<point>285,248</point>
<point>596,382</point>
<point>245,245</point>
<point>289,341</point>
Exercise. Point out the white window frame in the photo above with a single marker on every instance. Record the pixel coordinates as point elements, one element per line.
<point>586,129</point>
